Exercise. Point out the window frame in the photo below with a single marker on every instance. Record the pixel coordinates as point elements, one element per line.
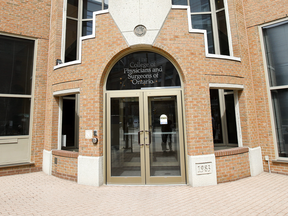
<point>268,87</point>
<point>30,96</point>
<point>7,140</point>
<point>61,94</point>
<point>80,21</point>
<point>236,88</point>
<point>213,12</point>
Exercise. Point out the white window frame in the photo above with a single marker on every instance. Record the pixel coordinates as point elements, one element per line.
<point>269,89</point>
<point>79,26</point>
<point>235,88</point>
<point>62,94</point>
<point>213,13</point>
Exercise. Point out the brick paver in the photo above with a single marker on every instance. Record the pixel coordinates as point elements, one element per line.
<point>40,194</point>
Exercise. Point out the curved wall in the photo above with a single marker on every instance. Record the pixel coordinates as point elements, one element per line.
<point>185,49</point>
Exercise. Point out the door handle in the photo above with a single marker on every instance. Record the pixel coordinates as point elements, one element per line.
<point>149,137</point>
<point>139,138</point>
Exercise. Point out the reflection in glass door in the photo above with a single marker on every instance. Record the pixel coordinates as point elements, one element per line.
<point>164,152</point>
<point>125,153</point>
<point>164,148</point>
<point>145,138</point>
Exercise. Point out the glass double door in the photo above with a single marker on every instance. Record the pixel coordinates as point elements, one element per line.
<point>145,137</point>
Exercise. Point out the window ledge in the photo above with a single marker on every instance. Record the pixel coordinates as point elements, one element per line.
<point>233,151</point>
<point>16,165</point>
<point>280,161</point>
<point>64,153</point>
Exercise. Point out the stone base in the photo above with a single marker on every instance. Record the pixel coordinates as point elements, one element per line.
<point>256,163</point>
<point>47,162</point>
<point>90,170</point>
<point>202,170</point>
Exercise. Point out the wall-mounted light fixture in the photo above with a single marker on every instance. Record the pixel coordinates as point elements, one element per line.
<point>58,61</point>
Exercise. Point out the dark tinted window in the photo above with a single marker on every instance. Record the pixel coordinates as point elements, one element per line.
<point>276,42</point>
<point>72,8</point>
<point>86,28</point>
<point>141,70</point>
<point>204,21</point>
<point>179,2</point>
<point>14,116</point>
<point>16,60</point>
<point>71,40</point>
<point>200,5</point>
<point>89,6</point>
<point>222,33</point>
<point>219,4</point>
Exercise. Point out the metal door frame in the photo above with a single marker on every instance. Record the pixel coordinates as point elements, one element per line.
<point>143,126</point>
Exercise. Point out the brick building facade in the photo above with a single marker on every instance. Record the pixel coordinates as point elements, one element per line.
<point>136,92</point>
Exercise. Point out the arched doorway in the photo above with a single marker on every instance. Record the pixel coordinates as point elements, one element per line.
<point>145,143</point>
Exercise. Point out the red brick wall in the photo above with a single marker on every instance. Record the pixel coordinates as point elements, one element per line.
<point>31,19</point>
<point>232,167</point>
<point>88,76</point>
<point>185,49</point>
<point>19,170</point>
<point>259,12</point>
<point>64,165</point>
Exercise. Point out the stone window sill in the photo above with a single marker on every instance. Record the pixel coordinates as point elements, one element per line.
<point>280,161</point>
<point>17,165</point>
<point>64,153</point>
<point>232,151</point>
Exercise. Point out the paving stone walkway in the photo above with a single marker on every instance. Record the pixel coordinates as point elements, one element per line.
<point>40,194</point>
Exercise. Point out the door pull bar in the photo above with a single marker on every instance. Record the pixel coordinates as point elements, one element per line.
<point>139,138</point>
<point>147,144</point>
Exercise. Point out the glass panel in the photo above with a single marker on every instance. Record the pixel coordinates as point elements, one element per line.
<point>16,60</point>
<point>125,151</point>
<point>276,42</point>
<point>89,6</point>
<point>231,119</point>
<point>204,22</point>
<point>200,5</point>
<point>71,40</point>
<point>72,8</point>
<point>222,31</point>
<point>14,116</point>
<point>68,122</point>
<point>164,147</point>
<point>280,104</point>
<point>141,70</point>
<point>87,28</point>
<point>106,4</point>
<point>219,4</point>
<point>179,2</point>
<point>216,116</point>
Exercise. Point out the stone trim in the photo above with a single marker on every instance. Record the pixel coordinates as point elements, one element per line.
<point>280,161</point>
<point>17,165</point>
<point>233,151</point>
<point>64,153</point>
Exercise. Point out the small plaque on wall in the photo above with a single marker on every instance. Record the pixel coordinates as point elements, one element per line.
<point>203,168</point>
<point>88,134</point>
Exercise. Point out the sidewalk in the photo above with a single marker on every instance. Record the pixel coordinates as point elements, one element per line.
<point>40,194</point>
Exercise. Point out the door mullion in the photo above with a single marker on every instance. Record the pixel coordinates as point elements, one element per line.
<point>146,141</point>
<point>142,136</point>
